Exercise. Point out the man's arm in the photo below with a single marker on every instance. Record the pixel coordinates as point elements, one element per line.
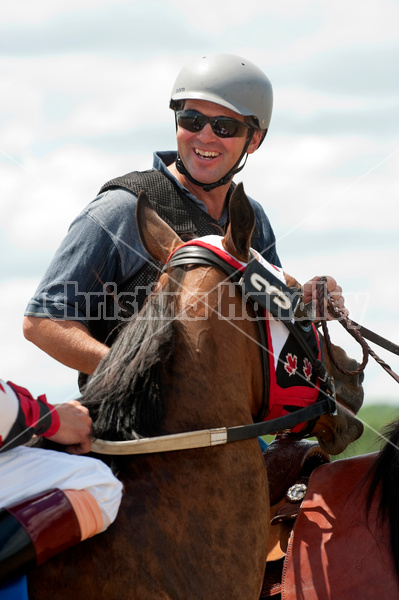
<point>69,342</point>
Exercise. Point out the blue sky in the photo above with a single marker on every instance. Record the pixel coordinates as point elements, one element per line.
<point>85,86</point>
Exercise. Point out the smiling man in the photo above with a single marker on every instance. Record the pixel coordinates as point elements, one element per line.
<point>101,273</point>
<point>211,141</point>
<point>223,106</point>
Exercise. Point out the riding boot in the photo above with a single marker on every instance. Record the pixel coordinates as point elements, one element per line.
<point>34,530</point>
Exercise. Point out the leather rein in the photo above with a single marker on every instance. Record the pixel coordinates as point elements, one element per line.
<point>325,404</point>
<point>358,332</point>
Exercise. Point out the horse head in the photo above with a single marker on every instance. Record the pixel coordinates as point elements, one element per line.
<point>207,299</point>
<point>336,432</point>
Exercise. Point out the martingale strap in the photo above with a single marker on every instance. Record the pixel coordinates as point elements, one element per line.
<point>264,291</point>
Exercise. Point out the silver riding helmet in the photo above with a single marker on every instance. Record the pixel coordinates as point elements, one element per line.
<point>232,82</point>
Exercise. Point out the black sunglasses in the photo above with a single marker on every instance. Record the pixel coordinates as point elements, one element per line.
<point>223,127</point>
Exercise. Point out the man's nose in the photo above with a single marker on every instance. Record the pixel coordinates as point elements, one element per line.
<point>206,133</point>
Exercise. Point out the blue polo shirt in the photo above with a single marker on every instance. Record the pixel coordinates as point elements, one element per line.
<point>102,249</point>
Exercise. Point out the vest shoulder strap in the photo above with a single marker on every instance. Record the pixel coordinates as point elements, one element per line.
<point>172,205</point>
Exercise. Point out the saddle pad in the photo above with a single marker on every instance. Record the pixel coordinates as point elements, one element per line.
<point>334,553</point>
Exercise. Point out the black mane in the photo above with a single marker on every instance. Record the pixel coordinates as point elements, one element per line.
<point>385,473</point>
<point>123,395</point>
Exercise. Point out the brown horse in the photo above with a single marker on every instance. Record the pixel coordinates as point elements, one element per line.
<point>345,542</point>
<point>193,524</point>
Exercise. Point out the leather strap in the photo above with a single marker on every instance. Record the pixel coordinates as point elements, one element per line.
<point>377,339</point>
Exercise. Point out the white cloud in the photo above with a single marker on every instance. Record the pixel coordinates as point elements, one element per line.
<point>288,31</point>
<point>336,24</point>
<point>74,116</point>
<point>306,103</point>
<point>48,193</point>
<point>98,96</point>
<point>324,183</point>
<point>24,11</point>
<point>22,362</point>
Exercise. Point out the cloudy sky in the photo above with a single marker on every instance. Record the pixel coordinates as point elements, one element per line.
<point>84,92</point>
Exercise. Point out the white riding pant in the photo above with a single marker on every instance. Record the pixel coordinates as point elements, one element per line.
<point>26,472</point>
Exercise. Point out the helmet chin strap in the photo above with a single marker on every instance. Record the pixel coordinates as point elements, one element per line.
<point>207,187</point>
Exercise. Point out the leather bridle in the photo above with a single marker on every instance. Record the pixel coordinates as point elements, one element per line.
<point>325,404</point>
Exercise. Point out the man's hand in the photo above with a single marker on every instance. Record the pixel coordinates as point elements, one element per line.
<point>75,428</point>
<point>310,293</point>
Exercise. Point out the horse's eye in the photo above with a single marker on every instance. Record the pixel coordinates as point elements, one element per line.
<point>360,378</point>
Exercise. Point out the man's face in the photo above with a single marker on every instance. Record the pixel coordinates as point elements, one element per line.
<point>206,156</point>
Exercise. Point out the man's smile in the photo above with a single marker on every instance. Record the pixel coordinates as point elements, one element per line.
<point>205,154</point>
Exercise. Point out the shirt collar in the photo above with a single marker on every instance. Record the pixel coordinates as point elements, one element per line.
<point>161,161</point>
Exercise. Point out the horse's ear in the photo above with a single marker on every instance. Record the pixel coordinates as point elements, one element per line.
<point>237,240</point>
<point>156,236</point>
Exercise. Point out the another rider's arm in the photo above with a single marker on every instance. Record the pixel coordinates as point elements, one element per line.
<point>22,416</point>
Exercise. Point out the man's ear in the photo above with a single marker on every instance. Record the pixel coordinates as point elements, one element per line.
<point>256,141</point>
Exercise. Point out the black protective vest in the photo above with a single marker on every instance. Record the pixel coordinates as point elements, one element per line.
<point>184,217</point>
